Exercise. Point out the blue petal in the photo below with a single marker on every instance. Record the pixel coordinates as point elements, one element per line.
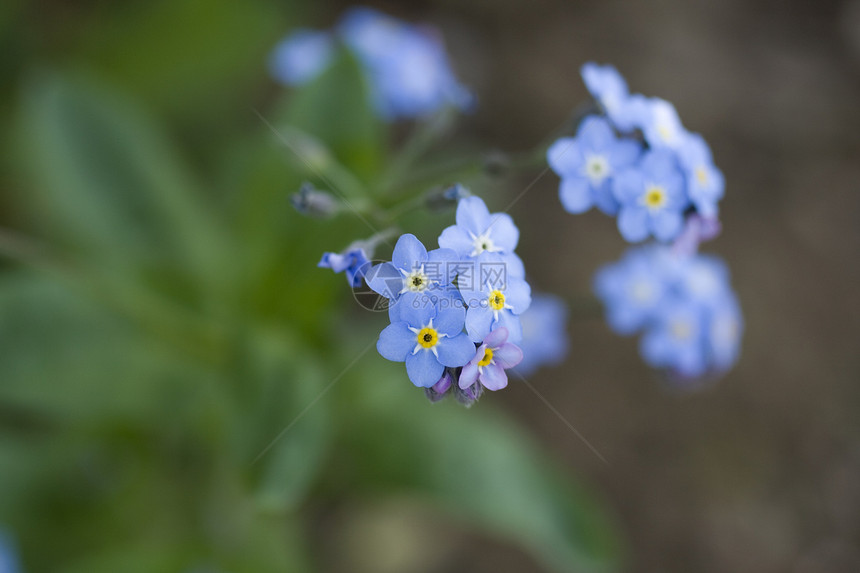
<point>473,215</point>
<point>417,308</point>
<point>633,223</point>
<point>667,224</point>
<point>604,199</point>
<point>518,294</point>
<point>423,368</point>
<point>575,194</point>
<point>450,317</point>
<point>457,239</point>
<point>512,323</point>
<point>442,265</point>
<point>627,186</point>
<point>455,351</point>
<point>595,133</point>
<point>565,157</point>
<point>624,153</point>
<point>478,322</point>
<point>385,279</point>
<point>409,253</point>
<point>493,377</point>
<point>503,232</point>
<point>514,266</point>
<point>395,342</point>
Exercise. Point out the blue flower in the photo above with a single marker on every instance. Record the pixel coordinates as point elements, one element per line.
<point>684,304</point>
<point>493,298</point>
<point>632,289</point>
<point>409,71</point>
<point>545,339</point>
<point>413,270</point>
<point>652,197</point>
<point>353,261</point>
<point>661,125</point>
<point>674,339</point>
<point>493,357</point>
<point>705,183</point>
<point>301,56</point>
<point>477,231</point>
<point>8,557</point>
<point>428,337</point>
<point>610,90</point>
<point>587,163</point>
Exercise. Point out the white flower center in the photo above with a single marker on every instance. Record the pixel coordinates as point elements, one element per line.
<point>642,291</point>
<point>481,243</point>
<point>415,281</point>
<point>596,168</point>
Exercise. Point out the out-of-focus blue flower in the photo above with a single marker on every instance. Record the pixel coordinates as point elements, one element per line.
<point>661,125</point>
<point>301,56</point>
<point>705,183</point>
<point>632,289</point>
<point>428,337</point>
<point>652,198</point>
<point>478,231</point>
<point>494,299</point>
<point>684,304</point>
<point>312,202</point>
<point>412,270</point>
<point>587,163</point>
<point>353,261</point>
<point>610,90</point>
<point>408,67</point>
<point>8,556</point>
<point>545,339</point>
<point>674,340</point>
<point>493,357</point>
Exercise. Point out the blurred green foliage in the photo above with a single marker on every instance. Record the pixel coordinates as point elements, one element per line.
<point>162,320</point>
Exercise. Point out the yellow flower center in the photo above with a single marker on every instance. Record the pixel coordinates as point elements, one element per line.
<point>655,197</point>
<point>497,300</point>
<point>427,337</point>
<point>488,357</point>
<point>702,176</point>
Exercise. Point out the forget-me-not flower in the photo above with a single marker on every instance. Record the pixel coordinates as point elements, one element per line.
<point>478,231</point>
<point>493,357</point>
<point>414,271</point>
<point>494,298</point>
<point>301,56</point>
<point>409,72</point>
<point>608,87</point>
<point>428,337</point>
<point>586,164</point>
<point>674,340</point>
<point>545,340</point>
<point>662,126</point>
<point>652,196</point>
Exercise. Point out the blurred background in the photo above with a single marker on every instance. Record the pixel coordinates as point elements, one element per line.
<point>162,319</point>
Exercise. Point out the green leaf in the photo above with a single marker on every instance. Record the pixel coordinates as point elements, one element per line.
<point>108,183</point>
<point>479,466</point>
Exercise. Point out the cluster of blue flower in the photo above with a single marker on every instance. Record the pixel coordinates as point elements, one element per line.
<point>455,310</point>
<point>407,66</point>
<point>635,160</point>
<point>684,304</point>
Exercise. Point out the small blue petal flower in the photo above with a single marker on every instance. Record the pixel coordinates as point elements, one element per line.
<point>674,340</point>
<point>652,196</point>
<point>705,183</point>
<point>607,86</point>
<point>478,231</point>
<point>428,338</point>
<point>353,261</point>
<point>684,304</point>
<point>413,270</point>
<point>301,57</point>
<point>494,299</point>
<point>545,339</point>
<point>409,71</point>
<point>587,163</point>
